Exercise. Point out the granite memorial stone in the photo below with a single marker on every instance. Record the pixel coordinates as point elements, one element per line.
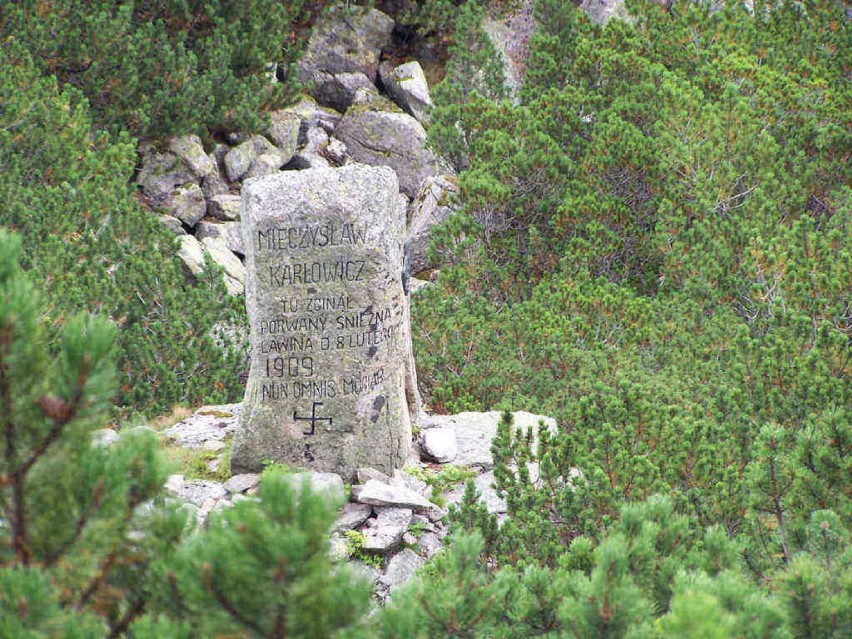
<point>329,322</point>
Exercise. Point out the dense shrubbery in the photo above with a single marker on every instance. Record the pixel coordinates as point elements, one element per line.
<point>166,67</point>
<point>93,246</point>
<point>654,249</point>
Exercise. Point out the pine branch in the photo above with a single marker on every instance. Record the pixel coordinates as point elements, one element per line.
<point>226,604</point>
<point>124,623</point>
<point>82,520</point>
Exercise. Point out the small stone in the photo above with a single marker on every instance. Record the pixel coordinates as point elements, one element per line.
<point>337,90</point>
<point>160,174</point>
<point>187,203</point>
<point>199,491</point>
<point>218,251</point>
<point>391,524</point>
<point>191,254</point>
<point>189,149</point>
<point>336,152</point>
<point>239,160</point>
<point>306,160</point>
<point>353,515</point>
<point>284,133</point>
<point>379,494</point>
<point>401,478</point>
<point>440,444</point>
<point>265,164</point>
<point>172,223</point>
<point>174,484</point>
<point>213,445</point>
<point>207,423</point>
<point>429,544</point>
<point>407,85</point>
<point>408,539</point>
<point>401,568</point>
<point>338,548</point>
<point>224,206</point>
<point>213,184</point>
<point>104,437</point>
<point>229,232</point>
<point>242,482</point>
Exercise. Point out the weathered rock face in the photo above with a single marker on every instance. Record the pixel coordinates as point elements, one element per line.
<point>346,40</point>
<point>432,206</point>
<point>329,322</point>
<point>407,85</point>
<point>376,132</point>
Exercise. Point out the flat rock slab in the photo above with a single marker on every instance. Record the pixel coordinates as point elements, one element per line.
<point>242,483</point>
<point>353,515</point>
<point>207,423</point>
<point>475,431</point>
<point>379,494</point>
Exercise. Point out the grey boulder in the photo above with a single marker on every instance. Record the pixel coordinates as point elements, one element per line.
<point>346,39</point>
<point>376,132</point>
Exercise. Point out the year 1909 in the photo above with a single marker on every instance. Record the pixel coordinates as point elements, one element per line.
<point>290,367</point>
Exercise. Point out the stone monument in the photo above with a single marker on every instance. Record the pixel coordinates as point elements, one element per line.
<point>329,387</point>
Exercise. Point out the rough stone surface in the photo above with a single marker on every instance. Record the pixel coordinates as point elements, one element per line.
<point>160,174</point>
<point>474,432</point>
<point>403,479</point>
<point>329,485</point>
<point>379,494</point>
<point>235,272</point>
<point>172,223</point>
<point>439,444</point>
<point>206,424</point>
<point>511,35</point>
<point>310,114</point>
<point>187,203</point>
<point>363,475</point>
<point>284,133</point>
<point>191,254</point>
<point>265,164</point>
<point>229,232</point>
<point>213,184</point>
<point>241,483</point>
<point>407,85</point>
<point>390,526</point>
<point>353,515</point>
<point>307,160</point>
<point>429,543</point>
<point>189,149</point>
<point>431,207</point>
<point>376,132</point>
<point>401,568</point>
<point>346,39</point>
<point>224,206</point>
<point>200,491</point>
<point>239,159</point>
<point>329,322</point>
<point>336,152</point>
<point>601,11</point>
<point>338,90</point>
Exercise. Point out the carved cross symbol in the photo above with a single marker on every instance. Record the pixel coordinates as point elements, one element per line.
<point>313,419</point>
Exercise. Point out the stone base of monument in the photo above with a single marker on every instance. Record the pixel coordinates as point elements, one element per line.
<point>399,526</point>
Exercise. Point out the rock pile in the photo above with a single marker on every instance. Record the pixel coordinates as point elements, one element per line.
<point>357,110</point>
<point>388,525</point>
